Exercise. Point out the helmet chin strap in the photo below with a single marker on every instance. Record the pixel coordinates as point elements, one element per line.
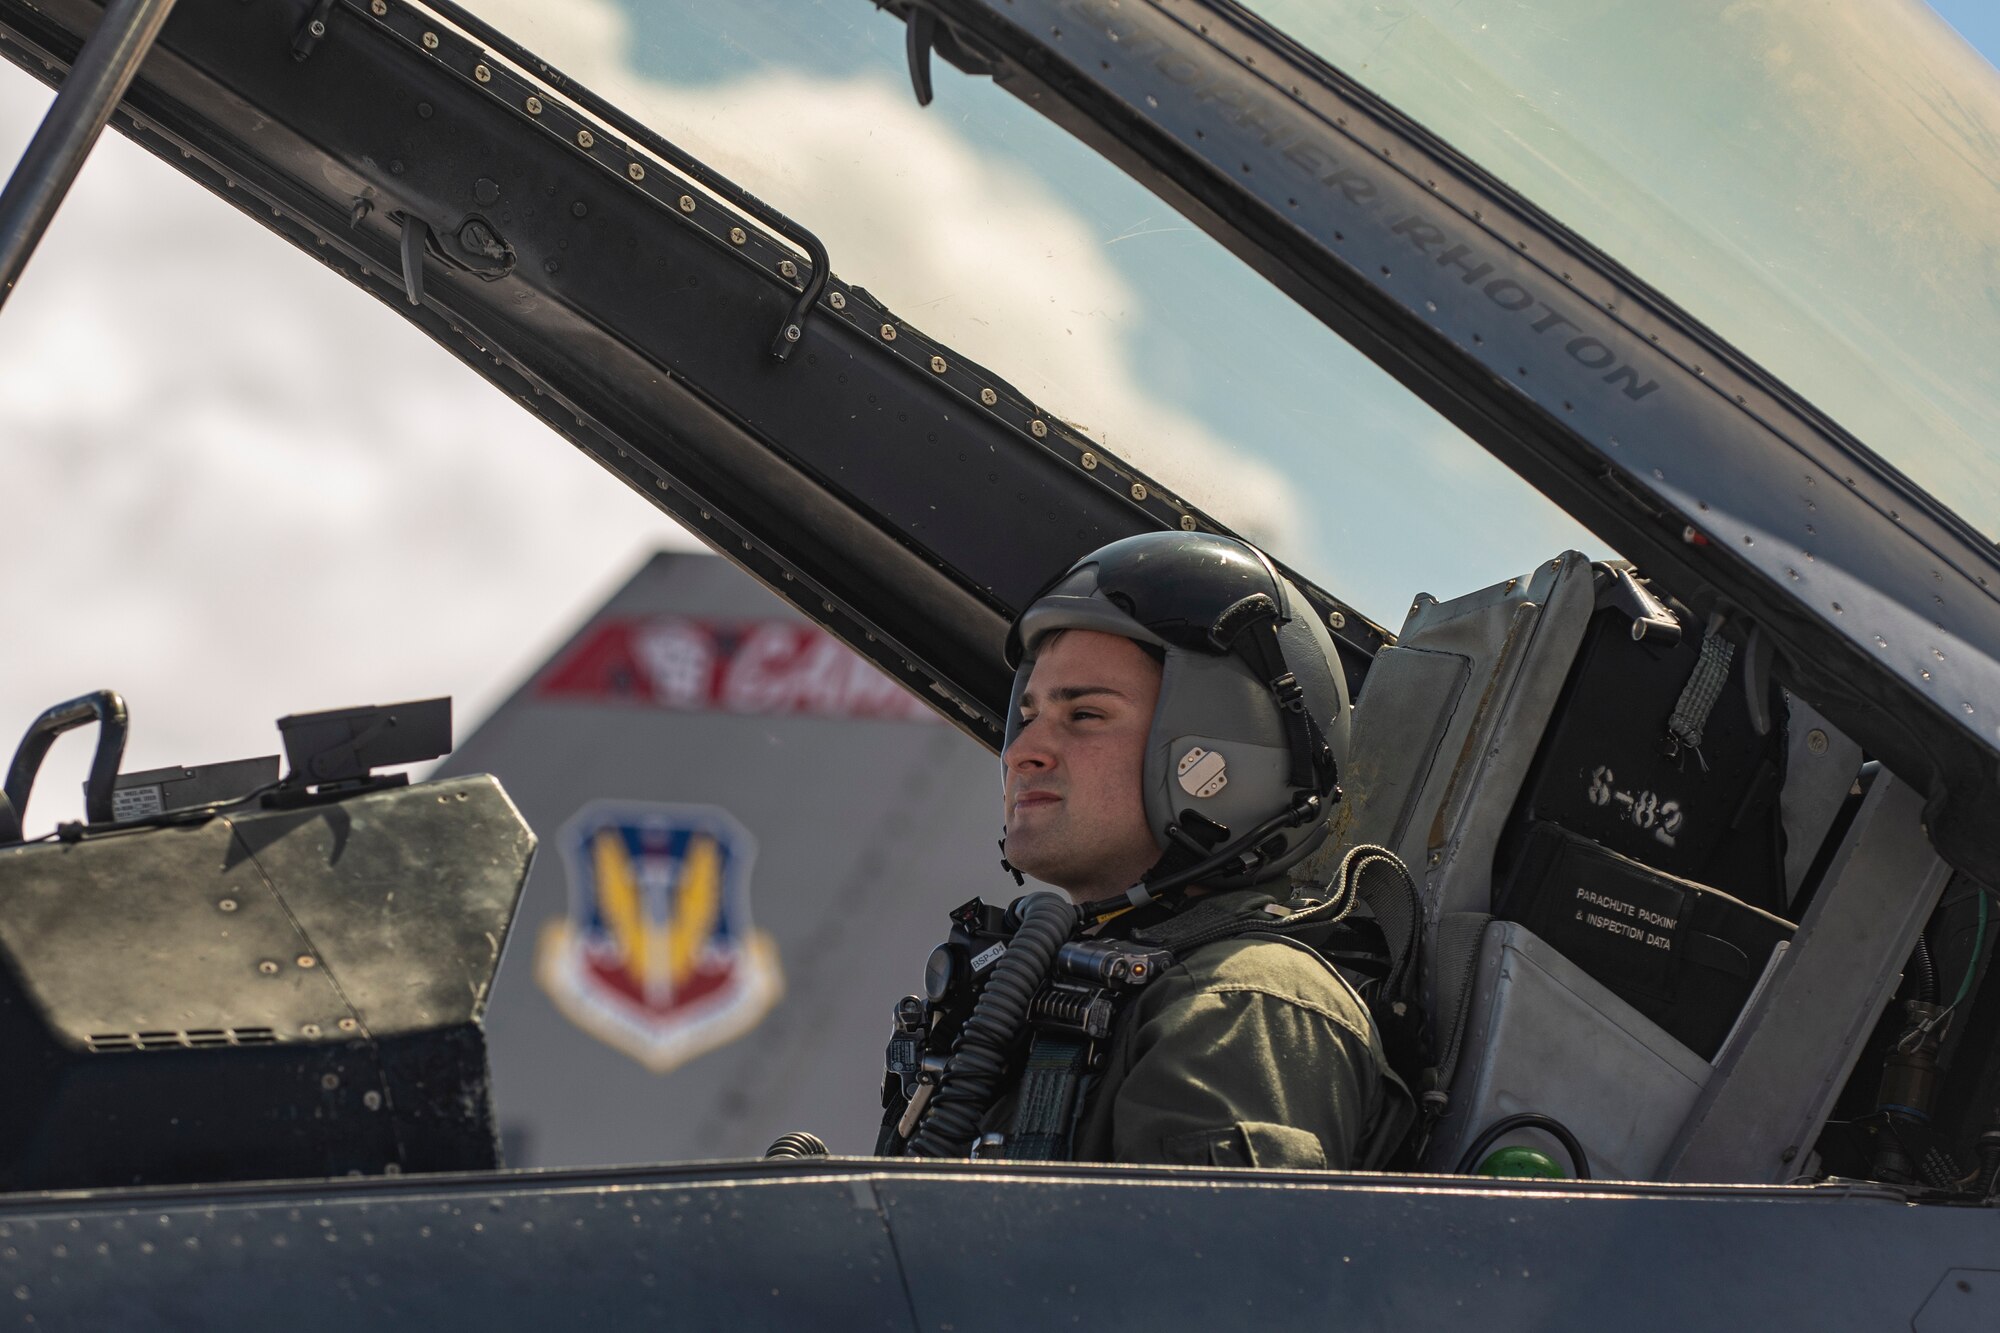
<point>1008,866</point>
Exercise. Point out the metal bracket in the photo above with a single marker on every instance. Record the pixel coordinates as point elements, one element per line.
<point>416,233</point>
<point>919,39</point>
<point>1793,1049</point>
<point>311,30</point>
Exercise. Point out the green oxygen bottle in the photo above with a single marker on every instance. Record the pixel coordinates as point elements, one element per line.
<point>1521,1161</point>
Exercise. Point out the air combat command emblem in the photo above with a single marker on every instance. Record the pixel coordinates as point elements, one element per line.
<point>658,956</point>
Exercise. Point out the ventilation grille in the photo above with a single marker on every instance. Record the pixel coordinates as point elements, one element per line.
<point>192,1039</point>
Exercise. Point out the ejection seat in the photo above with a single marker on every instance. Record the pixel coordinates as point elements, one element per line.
<point>1600,895</point>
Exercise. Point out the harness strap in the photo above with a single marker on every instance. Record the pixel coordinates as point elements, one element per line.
<point>1698,698</point>
<point>1051,1088</point>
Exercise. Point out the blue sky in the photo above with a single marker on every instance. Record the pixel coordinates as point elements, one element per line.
<point>1978,21</point>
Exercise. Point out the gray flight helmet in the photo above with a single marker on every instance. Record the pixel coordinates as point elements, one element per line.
<point>1225,756</point>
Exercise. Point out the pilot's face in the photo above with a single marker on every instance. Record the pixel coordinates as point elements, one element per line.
<point>1075,814</point>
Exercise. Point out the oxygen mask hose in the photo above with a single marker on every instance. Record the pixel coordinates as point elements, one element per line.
<point>998,1024</point>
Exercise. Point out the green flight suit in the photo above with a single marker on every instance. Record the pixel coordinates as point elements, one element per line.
<point>1246,1052</point>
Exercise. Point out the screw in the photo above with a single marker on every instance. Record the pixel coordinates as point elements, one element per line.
<point>1788,1154</point>
<point>317,28</point>
<point>348,1025</point>
<point>1038,428</point>
<point>372,1100</point>
<point>426,110</point>
<point>1089,460</point>
<point>687,203</point>
<point>548,266</point>
<point>227,904</point>
<point>579,209</point>
<point>379,7</point>
<point>534,105</point>
<point>888,333</point>
<point>937,364</point>
<point>988,397</point>
<point>636,172</point>
<point>791,333</point>
<point>329,1081</point>
<point>430,41</point>
<point>737,236</point>
<point>483,74</point>
<point>585,139</point>
<point>307,960</point>
<point>1187,522</point>
<point>1138,490</point>
<point>787,269</point>
<point>268,968</point>
<point>1336,619</point>
<point>309,1030</point>
<point>837,301</point>
<point>1816,741</point>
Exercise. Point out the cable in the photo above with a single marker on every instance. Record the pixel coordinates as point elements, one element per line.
<point>972,1074</point>
<point>1926,970</point>
<point>1143,893</point>
<point>1507,1124</point>
<point>1978,947</point>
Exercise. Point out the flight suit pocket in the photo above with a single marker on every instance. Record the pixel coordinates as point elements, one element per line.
<point>1248,1143</point>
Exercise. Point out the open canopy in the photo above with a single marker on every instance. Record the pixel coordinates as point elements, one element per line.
<point>1495,204</point>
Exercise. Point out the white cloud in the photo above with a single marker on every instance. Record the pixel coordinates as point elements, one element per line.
<point>232,487</point>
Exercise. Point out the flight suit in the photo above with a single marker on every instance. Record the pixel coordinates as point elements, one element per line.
<point>1246,1052</point>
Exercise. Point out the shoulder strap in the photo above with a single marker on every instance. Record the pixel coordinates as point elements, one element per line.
<point>1044,1128</point>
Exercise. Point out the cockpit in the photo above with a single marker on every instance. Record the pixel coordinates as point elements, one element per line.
<point>1592,371</point>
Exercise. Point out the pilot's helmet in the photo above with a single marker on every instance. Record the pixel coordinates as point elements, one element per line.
<point>1234,745</point>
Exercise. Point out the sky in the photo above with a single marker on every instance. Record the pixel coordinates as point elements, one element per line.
<point>1978,21</point>
<point>235,487</point>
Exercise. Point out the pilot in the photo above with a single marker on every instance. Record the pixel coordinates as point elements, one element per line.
<point>1171,757</point>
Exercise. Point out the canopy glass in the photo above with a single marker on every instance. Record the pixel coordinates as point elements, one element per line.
<point>1816,180</point>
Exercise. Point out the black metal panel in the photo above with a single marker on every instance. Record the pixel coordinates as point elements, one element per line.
<point>520,1251</point>
<point>1212,1251</point>
<point>905,498</point>
<point>257,995</point>
<point>888,1245</point>
<point>1642,423</point>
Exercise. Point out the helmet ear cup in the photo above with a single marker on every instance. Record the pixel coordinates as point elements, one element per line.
<point>1214,704</point>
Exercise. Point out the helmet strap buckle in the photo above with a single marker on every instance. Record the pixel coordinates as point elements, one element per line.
<point>1008,866</point>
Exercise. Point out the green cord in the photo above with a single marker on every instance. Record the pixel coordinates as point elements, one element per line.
<point>1979,947</point>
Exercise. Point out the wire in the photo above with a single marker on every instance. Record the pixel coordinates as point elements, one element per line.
<point>1978,947</point>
